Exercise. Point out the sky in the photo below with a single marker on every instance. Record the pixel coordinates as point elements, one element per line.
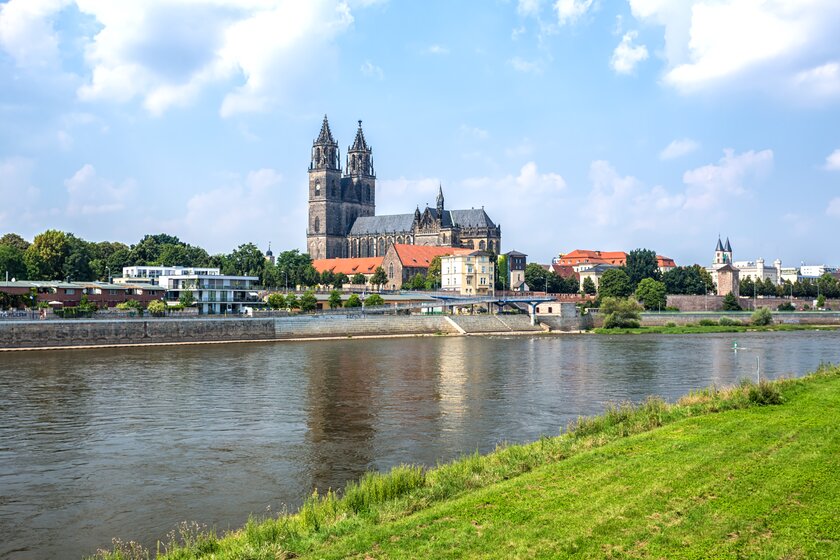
<point>576,124</point>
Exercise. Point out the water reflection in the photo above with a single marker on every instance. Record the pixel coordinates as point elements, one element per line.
<point>128,442</point>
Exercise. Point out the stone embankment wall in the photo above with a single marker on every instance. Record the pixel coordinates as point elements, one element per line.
<point>569,324</point>
<point>357,325</point>
<point>715,303</point>
<point>794,318</point>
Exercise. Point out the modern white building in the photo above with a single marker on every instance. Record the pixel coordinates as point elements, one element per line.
<point>215,293</point>
<point>815,270</point>
<point>150,274</point>
<point>468,274</point>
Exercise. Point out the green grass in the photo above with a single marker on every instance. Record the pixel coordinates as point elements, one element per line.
<point>720,474</point>
<point>699,329</point>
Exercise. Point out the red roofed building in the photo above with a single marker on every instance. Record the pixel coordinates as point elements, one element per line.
<point>582,259</point>
<point>401,262</point>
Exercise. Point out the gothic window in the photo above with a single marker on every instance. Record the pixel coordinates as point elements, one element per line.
<point>481,245</point>
<point>391,270</point>
<point>444,238</point>
<point>317,189</point>
<point>317,224</point>
<point>381,247</point>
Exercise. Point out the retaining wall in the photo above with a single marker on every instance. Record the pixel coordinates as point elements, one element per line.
<point>805,318</point>
<point>715,303</point>
<point>357,325</point>
<point>566,324</point>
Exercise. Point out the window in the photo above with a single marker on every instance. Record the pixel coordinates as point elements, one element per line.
<point>69,291</point>
<point>317,188</point>
<point>317,224</point>
<point>469,280</point>
<point>482,245</point>
<point>391,270</point>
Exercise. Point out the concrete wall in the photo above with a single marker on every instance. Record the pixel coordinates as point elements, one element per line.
<point>809,318</point>
<point>566,324</point>
<point>356,325</point>
<point>715,303</point>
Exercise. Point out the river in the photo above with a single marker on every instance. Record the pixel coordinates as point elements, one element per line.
<point>128,442</point>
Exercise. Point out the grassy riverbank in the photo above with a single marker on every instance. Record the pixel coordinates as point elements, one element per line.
<point>743,472</point>
<point>699,329</point>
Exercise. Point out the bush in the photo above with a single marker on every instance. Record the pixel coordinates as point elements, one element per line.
<point>157,308</point>
<point>727,322</point>
<point>764,393</point>
<point>670,324</point>
<point>131,304</point>
<point>308,301</point>
<point>762,317</point>
<point>374,300</point>
<point>672,308</point>
<point>353,301</point>
<point>620,313</point>
<point>707,322</point>
<point>276,301</point>
<point>730,302</point>
<point>786,306</point>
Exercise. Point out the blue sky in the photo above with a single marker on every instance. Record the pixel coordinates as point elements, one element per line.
<point>575,123</point>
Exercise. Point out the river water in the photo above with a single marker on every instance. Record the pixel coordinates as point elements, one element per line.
<point>126,443</point>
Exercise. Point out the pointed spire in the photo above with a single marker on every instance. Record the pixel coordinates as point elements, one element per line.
<point>417,214</point>
<point>359,144</point>
<point>727,247</point>
<point>325,137</point>
<point>719,245</point>
<point>439,200</point>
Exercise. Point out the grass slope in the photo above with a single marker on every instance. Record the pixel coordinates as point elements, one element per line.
<point>699,329</point>
<point>651,481</point>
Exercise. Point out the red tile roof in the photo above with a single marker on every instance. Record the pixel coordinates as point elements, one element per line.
<point>365,265</point>
<point>618,258</point>
<point>420,256</point>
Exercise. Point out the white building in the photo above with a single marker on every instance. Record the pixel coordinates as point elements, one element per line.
<point>815,270</point>
<point>150,274</point>
<point>213,293</point>
<point>757,270</point>
<point>468,274</point>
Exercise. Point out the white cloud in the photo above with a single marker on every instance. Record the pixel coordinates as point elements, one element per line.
<point>402,195</point>
<point>529,181</point>
<point>89,194</point>
<point>26,31</point>
<point>712,185</point>
<point>627,55</point>
<point>678,148</point>
<point>167,52</point>
<point>474,132</point>
<point>832,162</point>
<point>437,49</point>
<point>833,209</point>
<point>17,192</point>
<point>251,207</point>
<point>769,44</point>
<point>570,11</point>
<point>528,8</point>
<point>525,66</point>
<point>371,70</point>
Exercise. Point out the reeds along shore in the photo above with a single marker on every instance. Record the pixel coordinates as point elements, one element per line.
<point>382,497</point>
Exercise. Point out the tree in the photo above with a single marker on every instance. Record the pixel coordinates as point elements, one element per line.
<point>335,299</point>
<point>433,274</point>
<point>685,280</point>
<point>11,262</point>
<point>706,277</point>
<point>620,313</point>
<point>373,300</point>
<point>747,286</point>
<point>418,282</point>
<point>292,301</point>
<point>245,260</point>
<point>535,276</point>
<point>276,301</point>
<point>502,273</point>
<point>358,278</point>
<point>186,298</point>
<point>615,283</point>
<point>589,286</point>
<point>730,303</point>
<point>45,256</point>
<point>641,264</point>
<point>308,302</point>
<point>339,280</point>
<point>353,301</point>
<point>379,277</point>
<point>77,262</point>
<point>327,278</point>
<point>14,240</point>
<point>820,301</point>
<point>651,294</point>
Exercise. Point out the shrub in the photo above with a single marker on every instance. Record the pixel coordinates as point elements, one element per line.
<point>276,301</point>
<point>157,308</point>
<point>727,322</point>
<point>620,313</point>
<point>761,317</point>
<point>786,306</point>
<point>764,393</point>
<point>131,304</point>
<point>373,300</point>
<point>672,308</point>
<point>308,301</point>
<point>730,302</point>
<point>353,301</point>
<point>707,322</point>
<point>670,324</point>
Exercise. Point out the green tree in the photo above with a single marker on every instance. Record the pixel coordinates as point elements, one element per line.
<point>14,240</point>
<point>502,273</point>
<point>327,277</point>
<point>276,301</point>
<point>353,301</point>
<point>536,276</point>
<point>46,255</point>
<point>730,303</point>
<point>418,282</point>
<point>620,313</point>
<point>358,278</point>
<point>292,301</point>
<point>761,316</point>
<point>186,298</point>
<point>641,264</point>
<point>339,280</point>
<point>12,262</point>
<point>708,282</point>
<point>77,263</point>
<point>589,286</point>
<point>335,299</point>
<point>820,301</point>
<point>685,280</point>
<point>245,260</point>
<point>651,294</point>
<point>157,308</point>
<point>747,286</point>
<point>373,300</point>
<point>379,277</point>
<point>308,301</point>
<point>615,283</point>
<point>433,274</point>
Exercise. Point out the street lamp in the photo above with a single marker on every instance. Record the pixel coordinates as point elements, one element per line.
<point>108,269</point>
<point>286,276</point>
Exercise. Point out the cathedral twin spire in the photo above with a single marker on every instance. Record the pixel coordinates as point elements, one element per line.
<point>325,153</point>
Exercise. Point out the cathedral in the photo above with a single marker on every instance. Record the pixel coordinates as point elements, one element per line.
<point>342,210</point>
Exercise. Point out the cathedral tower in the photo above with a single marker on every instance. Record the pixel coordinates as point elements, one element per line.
<point>324,235</point>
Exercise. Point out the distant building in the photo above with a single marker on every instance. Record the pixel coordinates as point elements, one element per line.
<point>727,280</point>
<point>365,266</point>
<point>269,256</point>
<point>214,294</point>
<point>402,262</point>
<point>757,270</point>
<point>516,263</point>
<point>469,273</point>
<point>69,294</point>
<point>594,272</point>
<point>151,274</point>
<point>816,270</point>
<point>582,259</point>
